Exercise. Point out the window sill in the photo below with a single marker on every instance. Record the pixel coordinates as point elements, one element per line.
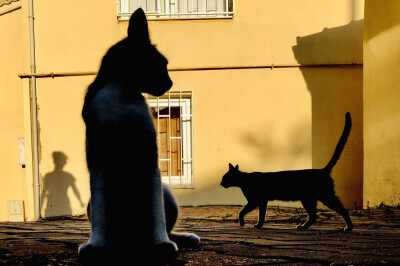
<point>182,17</point>
<point>176,186</point>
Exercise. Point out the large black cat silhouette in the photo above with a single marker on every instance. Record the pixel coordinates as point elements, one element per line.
<point>132,214</point>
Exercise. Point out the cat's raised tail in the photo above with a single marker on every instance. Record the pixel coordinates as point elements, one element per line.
<point>340,146</point>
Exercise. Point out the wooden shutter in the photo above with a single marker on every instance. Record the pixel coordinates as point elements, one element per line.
<point>169,149</point>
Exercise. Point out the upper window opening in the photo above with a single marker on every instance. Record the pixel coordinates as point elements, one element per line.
<point>158,9</point>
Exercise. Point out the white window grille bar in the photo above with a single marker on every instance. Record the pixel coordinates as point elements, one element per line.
<point>158,129</point>
<point>188,148</point>
<point>167,7</point>
<point>169,134</point>
<point>191,140</point>
<point>180,134</point>
<point>123,7</point>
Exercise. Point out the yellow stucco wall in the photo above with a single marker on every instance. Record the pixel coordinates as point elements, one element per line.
<point>12,175</point>
<point>65,181</point>
<point>381,103</point>
<point>268,124</point>
<point>261,119</point>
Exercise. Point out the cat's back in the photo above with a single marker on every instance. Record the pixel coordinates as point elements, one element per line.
<point>287,185</point>
<point>284,179</point>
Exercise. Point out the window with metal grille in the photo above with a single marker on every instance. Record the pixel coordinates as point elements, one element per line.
<point>173,120</point>
<point>177,8</point>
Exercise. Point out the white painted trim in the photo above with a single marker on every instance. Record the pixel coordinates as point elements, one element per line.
<point>186,180</point>
<point>124,12</point>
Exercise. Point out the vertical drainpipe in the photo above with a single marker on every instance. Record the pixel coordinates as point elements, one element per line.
<point>36,182</point>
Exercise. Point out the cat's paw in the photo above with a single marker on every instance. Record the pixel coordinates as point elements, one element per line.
<point>165,251</point>
<point>184,240</point>
<point>92,255</point>
<point>348,229</point>
<point>301,227</point>
<point>259,226</point>
<point>242,223</point>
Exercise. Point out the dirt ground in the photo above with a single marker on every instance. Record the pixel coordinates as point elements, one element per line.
<point>375,239</point>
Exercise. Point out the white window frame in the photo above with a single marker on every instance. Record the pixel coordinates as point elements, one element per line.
<point>183,100</point>
<point>124,10</point>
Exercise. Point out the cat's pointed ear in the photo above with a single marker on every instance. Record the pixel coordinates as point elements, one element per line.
<point>138,28</point>
<point>237,167</point>
<point>231,166</point>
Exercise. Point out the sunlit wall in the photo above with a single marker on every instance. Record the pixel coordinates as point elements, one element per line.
<point>262,119</point>
<point>381,103</point>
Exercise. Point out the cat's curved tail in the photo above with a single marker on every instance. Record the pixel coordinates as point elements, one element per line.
<point>340,146</point>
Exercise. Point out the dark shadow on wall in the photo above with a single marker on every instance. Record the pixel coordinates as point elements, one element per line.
<point>262,143</point>
<point>334,91</point>
<point>55,187</point>
<point>342,44</point>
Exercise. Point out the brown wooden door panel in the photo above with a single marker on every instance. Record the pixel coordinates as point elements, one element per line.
<point>167,147</point>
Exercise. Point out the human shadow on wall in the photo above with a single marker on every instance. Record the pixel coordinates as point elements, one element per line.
<point>55,188</point>
<point>336,89</point>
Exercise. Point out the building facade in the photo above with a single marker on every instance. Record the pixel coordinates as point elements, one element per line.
<point>263,84</point>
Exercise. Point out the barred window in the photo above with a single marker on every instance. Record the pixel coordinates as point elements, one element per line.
<point>177,8</point>
<point>173,120</point>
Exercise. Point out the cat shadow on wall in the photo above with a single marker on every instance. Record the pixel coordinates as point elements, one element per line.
<point>334,77</point>
<point>55,188</point>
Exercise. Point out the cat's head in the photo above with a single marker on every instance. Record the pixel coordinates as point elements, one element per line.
<point>232,177</point>
<point>136,61</point>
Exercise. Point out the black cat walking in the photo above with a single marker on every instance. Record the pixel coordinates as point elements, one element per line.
<point>307,186</point>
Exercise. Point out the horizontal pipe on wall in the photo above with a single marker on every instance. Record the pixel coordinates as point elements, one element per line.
<point>272,66</point>
<point>55,75</point>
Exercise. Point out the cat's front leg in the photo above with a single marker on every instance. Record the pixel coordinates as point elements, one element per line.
<point>163,245</point>
<point>262,210</point>
<point>183,240</point>
<point>246,209</point>
<point>95,248</point>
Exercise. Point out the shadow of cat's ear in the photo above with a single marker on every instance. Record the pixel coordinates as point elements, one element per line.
<point>138,28</point>
<point>237,167</point>
<point>231,166</point>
